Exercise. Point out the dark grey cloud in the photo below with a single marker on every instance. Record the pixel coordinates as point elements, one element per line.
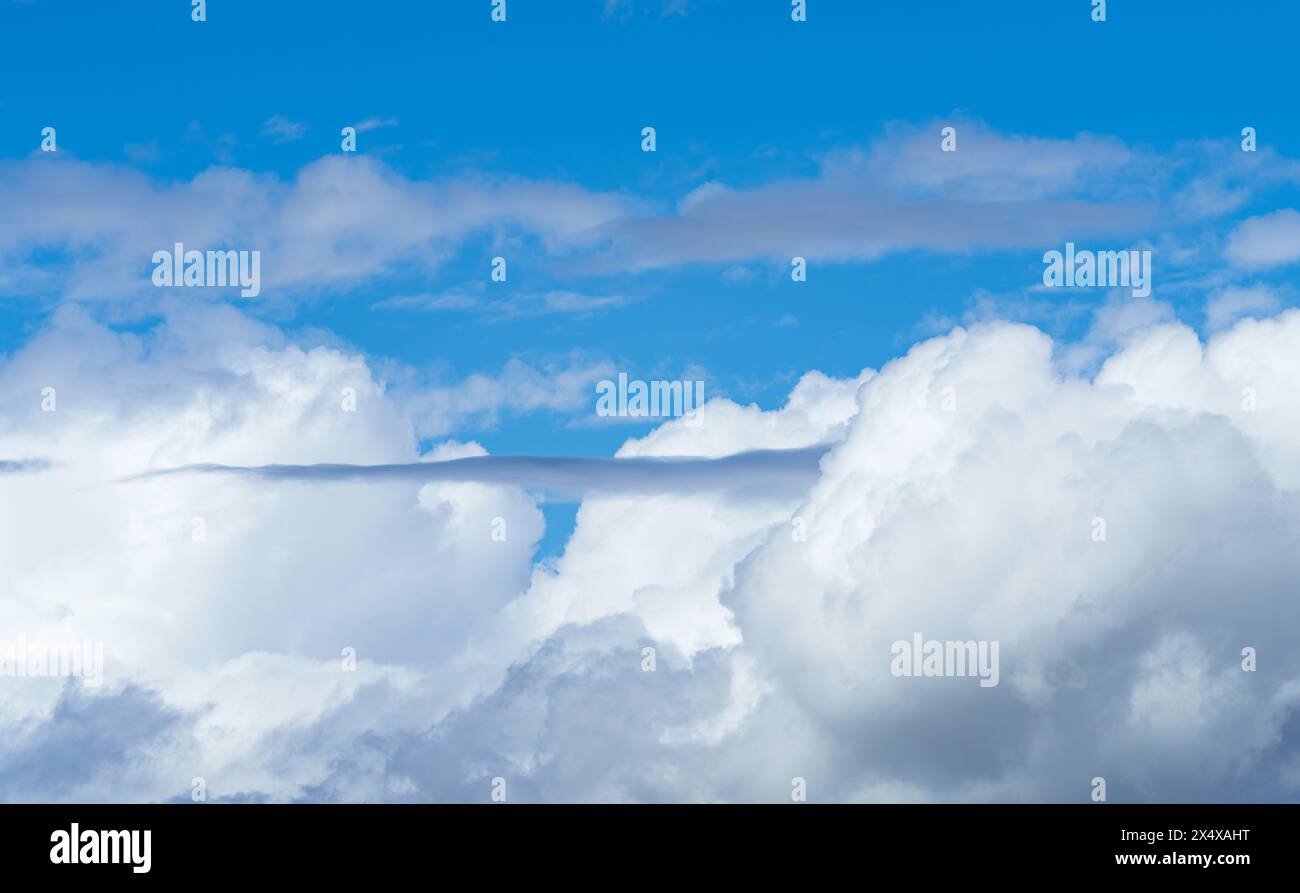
<point>580,720</point>
<point>93,746</point>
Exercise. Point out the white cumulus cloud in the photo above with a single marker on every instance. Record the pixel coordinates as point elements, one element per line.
<point>959,499</point>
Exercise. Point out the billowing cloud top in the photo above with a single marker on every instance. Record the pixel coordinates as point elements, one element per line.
<point>959,496</point>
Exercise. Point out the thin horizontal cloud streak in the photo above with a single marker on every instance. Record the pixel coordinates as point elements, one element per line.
<point>902,192</point>
<point>761,473</point>
<point>471,300</point>
<point>845,222</point>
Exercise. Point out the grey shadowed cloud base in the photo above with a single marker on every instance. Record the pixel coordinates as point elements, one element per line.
<point>754,472</point>
<point>22,466</point>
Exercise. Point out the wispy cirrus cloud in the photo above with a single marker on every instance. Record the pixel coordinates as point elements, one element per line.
<point>621,9</point>
<point>561,384</point>
<point>472,299</point>
<point>281,130</point>
<point>369,124</point>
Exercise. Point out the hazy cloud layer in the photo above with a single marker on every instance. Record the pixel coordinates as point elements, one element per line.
<point>347,220</point>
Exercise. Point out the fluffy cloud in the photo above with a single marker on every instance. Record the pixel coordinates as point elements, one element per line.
<point>976,524</point>
<point>1267,241</point>
<point>343,217</point>
<point>958,499</point>
<point>237,640</point>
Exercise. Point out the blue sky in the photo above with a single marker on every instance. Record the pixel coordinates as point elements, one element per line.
<point>738,93</point>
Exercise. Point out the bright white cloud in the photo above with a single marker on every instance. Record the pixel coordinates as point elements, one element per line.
<point>958,500</point>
